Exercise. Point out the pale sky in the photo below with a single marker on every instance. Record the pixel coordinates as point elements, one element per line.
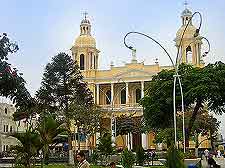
<point>44,28</point>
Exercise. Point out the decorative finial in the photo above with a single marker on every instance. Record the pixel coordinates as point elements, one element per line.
<point>85,15</point>
<point>134,59</point>
<point>185,4</point>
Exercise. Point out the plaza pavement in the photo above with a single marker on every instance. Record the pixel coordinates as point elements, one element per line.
<point>219,161</point>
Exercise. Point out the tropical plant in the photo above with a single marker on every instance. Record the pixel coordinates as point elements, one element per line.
<point>27,150</point>
<point>49,130</point>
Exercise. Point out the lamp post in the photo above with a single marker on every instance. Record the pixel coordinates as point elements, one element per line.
<point>175,66</point>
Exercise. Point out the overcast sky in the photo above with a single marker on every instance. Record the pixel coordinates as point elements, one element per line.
<point>44,28</point>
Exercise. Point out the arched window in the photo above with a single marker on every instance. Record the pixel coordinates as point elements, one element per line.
<point>82,62</point>
<point>108,97</point>
<point>138,95</point>
<point>123,96</point>
<point>188,55</point>
<point>6,110</point>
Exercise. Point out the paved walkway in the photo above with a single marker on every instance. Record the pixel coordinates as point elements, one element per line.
<point>219,161</point>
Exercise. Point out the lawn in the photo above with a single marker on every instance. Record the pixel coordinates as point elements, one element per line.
<point>92,166</point>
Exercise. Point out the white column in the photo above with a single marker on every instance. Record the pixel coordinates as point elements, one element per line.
<point>97,137</point>
<point>131,140</point>
<point>142,89</point>
<point>144,140</point>
<point>127,94</point>
<point>128,141</point>
<point>87,143</point>
<point>97,94</point>
<point>112,93</point>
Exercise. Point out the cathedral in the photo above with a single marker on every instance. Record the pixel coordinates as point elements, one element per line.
<point>117,91</point>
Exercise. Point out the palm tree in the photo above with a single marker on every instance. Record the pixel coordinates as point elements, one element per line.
<point>28,148</point>
<point>49,130</point>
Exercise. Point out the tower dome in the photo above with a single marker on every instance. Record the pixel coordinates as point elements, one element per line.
<point>85,39</point>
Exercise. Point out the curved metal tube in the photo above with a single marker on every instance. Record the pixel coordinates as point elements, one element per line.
<point>131,48</point>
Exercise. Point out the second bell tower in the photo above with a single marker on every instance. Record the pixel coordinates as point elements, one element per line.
<point>190,51</point>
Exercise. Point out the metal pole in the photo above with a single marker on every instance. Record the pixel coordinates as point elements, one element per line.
<point>182,109</point>
<point>174,110</point>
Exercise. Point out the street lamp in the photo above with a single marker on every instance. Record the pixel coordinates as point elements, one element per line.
<point>175,66</point>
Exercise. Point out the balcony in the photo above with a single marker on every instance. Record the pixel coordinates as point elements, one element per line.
<point>132,107</point>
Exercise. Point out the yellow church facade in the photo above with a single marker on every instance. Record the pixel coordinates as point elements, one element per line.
<point>116,91</point>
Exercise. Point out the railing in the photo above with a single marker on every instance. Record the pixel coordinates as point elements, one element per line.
<point>122,107</point>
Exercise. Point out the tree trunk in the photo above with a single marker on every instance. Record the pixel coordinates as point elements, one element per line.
<point>196,145</point>
<point>71,157</point>
<point>192,120</point>
<point>78,138</point>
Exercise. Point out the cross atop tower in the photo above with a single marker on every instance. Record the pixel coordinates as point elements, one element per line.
<point>85,15</point>
<point>185,4</point>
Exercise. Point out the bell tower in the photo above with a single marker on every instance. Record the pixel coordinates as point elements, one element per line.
<point>84,50</point>
<point>190,51</point>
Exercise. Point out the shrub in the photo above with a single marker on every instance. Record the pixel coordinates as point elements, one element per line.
<point>95,157</point>
<point>140,155</point>
<point>174,158</point>
<point>127,159</point>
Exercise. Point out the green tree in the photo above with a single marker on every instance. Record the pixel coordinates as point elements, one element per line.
<point>61,88</point>
<point>205,125</point>
<point>125,125</point>
<point>201,86</point>
<point>12,85</point>
<point>167,135</point>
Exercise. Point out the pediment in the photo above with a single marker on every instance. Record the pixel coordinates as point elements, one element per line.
<point>133,73</point>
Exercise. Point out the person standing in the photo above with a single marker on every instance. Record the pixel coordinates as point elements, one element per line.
<point>206,153</point>
<point>218,154</point>
<point>83,163</point>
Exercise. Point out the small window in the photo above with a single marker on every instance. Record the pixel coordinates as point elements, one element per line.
<point>82,62</point>
<point>4,130</point>
<point>7,147</point>
<point>7,128</point>
<point>189,55</point>
<point>123,96</point>
<point>11,129</point>
<point>82,137</point>
<point>6,110</point>
<point>108,97</point>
